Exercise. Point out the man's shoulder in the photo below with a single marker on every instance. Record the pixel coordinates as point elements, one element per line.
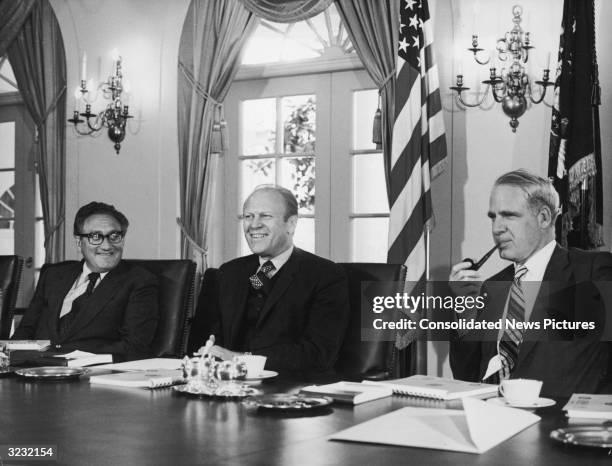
<point>52,270</point>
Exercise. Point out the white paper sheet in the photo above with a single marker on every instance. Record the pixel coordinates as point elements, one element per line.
<point>144,364</point>
<point>476,429</point>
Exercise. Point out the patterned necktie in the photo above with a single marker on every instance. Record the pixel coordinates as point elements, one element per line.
<point>258,279</point>
<point>512,338</point>
<point>67,320</point>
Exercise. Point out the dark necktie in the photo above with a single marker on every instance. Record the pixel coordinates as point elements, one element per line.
<point>258,279</point>
<point>67,320</point>
<point>512,338</point>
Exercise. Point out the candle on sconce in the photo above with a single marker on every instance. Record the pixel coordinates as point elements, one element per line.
<point>459,80</point>
<point>116,59</point>
<point>548,56</point>
<point>77,98</point>
<point>474,40</point>
<point>84,67</point>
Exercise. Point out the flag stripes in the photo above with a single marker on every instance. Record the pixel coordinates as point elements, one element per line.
<point>418,148</point>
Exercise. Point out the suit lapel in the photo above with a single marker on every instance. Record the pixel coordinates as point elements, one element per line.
<point>238,298</point>
<point>550,298</point>
<point>286,276</point>
<point>102,295</point>
<point>60,286</point>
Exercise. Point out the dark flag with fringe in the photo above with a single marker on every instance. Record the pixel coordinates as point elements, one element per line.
<point>574,162</point>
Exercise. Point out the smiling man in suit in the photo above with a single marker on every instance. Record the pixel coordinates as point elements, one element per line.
<point>101,304</point>
<point>544,283</point>
<point>281,302</point>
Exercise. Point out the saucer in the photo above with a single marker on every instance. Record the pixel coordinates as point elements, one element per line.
<point>539,403</point>
<point>262,375</point>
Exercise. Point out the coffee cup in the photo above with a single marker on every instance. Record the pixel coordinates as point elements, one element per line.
<point>521,391</point>
<point>254,364</point>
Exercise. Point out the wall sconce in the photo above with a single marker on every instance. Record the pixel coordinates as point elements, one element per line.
<point>512,86</point>
<point>114,116</point>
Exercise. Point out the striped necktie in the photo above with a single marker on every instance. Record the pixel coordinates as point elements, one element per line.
<point>258,279</point>
<point>512,338</point>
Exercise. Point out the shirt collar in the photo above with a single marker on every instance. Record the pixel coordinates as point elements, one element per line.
<point>537,263</point>
<point>86,271</point>
<point>279,260</point>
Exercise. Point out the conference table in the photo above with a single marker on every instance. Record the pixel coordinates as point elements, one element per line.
<point>104,425</point>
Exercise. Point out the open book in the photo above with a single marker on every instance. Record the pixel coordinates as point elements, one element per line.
<point>348,392</point>
<point>438,387</point>
<point>146,379</point>
<point>476,429</point>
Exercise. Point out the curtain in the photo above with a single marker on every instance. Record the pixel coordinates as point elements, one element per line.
<point>38,60</point>
<point>286,11</point>
<point>13,14</point>
<point>213,35</point>
<point>372,29</point>
<point>373,32</point>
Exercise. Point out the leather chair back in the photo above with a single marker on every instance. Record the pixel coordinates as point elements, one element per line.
<point>10,278</point>
<point>358,359</point>
<point>176,293</point>
<point>201,326</point>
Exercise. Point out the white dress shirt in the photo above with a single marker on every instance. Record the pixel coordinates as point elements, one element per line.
<point>78,288</point>
<point>531,282</point>
<point>278,261</point>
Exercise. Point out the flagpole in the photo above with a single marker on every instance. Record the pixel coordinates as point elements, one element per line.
<point>421,345</point>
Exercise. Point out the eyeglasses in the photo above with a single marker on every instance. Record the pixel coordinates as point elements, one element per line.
<point>95,238</point>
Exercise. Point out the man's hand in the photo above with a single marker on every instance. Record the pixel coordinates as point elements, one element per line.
<point>222,353</point>
<point>464,282</point>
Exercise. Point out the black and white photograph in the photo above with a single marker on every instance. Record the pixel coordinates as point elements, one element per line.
<point>305,232</point>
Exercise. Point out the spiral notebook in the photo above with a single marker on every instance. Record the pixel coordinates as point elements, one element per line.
<point>144,379</point>
<point>438,388</point>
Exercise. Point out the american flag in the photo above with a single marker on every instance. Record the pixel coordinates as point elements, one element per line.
<point>418,151</point>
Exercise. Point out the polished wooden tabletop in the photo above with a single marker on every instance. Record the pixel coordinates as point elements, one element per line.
<point>101,425</point>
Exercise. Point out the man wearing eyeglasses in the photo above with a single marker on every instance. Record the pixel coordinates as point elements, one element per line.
<point>280,302</point>
<point>101,304</point>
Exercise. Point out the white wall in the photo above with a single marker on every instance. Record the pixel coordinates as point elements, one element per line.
<point>142,181</point>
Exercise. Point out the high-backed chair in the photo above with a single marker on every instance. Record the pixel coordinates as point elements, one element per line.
<point>10,278</point>
<point>201,325</point>
<point>176,289</point>
<point>358,359</point>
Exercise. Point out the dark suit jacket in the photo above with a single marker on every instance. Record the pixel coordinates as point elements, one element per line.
<point>567,361</point>
<point>303,321</point>
<point>120,316</point>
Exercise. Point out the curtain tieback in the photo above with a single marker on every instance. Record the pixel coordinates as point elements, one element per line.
<point>53,230</point>
<point>189,238</point>
<point>50,109</point>
<point>197,85</point>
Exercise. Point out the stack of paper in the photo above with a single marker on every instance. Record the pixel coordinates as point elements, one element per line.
<point>587,406</point>
<point>476,429</point>
<point>145,364</point>
<point>147,379</point>
<point>82,358</point>
<point>18,345</point>
<point>348,392</point>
